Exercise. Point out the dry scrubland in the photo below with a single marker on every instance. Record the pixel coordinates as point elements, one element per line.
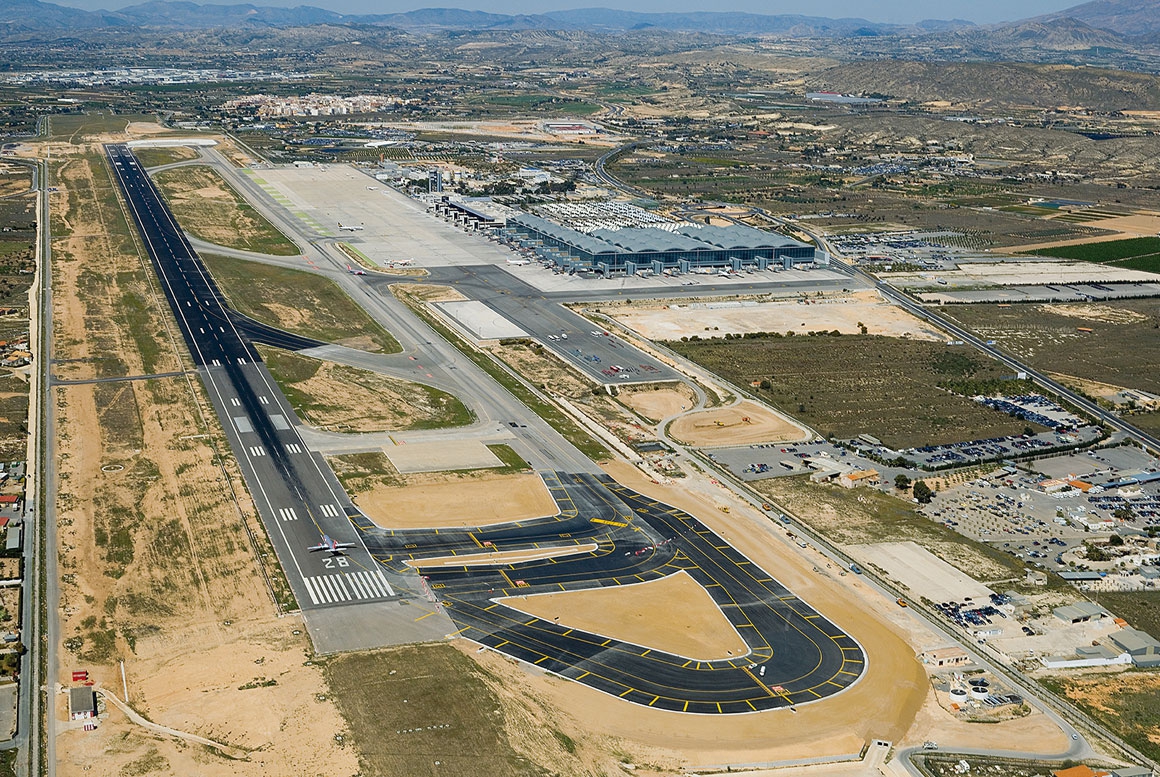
<point>861,384</point>
<point>866,516</point>
<point>158,544</point>
<point>340,398</point>
<point>208,208</point>
<point>1123,348</point>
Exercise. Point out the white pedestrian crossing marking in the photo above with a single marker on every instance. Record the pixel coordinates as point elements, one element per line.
<point>353,586</point>
<point>257,450</point>
<point>293,447</point>
<point>330,511</point>
<point>288,514</point>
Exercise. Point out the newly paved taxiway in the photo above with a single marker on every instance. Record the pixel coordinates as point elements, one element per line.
<point>795,655</point>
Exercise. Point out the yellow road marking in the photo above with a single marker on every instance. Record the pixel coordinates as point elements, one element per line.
<point>465,628</point>
<point>654,701</point>
<point>626,693</point>
<point>685,708</point>
<point>645,653</point>
<point>428,615</point>
<point>492,607</point>
<point>581,677</point>
<point>608,523</point>
<point>545,658</point>
<point>473,539</point>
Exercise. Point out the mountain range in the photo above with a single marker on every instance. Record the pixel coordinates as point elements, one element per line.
<point>1097,23</point>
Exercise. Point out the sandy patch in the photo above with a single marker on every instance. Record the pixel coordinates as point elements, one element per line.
<point>659,404</point>
<point>138,128</point>
<point>746,423</point>
<point>426,292</point>
<point>845,312</point>
<point>1096,312</point>
<point>508,557</point>
<point>471,502</point>
<point>441,456</point>
<point>674,614</point>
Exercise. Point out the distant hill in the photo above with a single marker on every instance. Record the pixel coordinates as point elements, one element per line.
<point>178,14</point>
<point>1132,18</point>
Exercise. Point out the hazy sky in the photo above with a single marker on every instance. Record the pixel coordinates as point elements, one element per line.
<point>898,11</point>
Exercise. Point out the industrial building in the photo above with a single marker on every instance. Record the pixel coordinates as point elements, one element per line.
<point>1141,646</point>
<point>1081,612</point>
<point>683,249</point>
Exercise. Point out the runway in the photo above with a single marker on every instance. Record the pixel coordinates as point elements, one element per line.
<point>296,494</point>
<point>795,655</point>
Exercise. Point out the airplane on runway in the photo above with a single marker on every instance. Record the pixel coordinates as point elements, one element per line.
<point>349,227</point>
<point>354,271</point>
<point>332,546</point>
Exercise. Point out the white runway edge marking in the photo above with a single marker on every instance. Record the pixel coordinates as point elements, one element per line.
<point>328,589</point>
<point>330,511</point>
<point>288,514</point>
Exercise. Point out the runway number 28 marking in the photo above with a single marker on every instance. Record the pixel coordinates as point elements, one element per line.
<point>331,563</point>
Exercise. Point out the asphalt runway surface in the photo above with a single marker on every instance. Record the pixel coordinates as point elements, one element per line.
<point>296,494</point>
<point>796,656</point>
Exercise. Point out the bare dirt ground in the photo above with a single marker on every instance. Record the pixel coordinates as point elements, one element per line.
<point>428,292</point>
<point>659,404</point>
<point>843,312</point>
<point>674,614</point>
<point>158,545</point>
<point>466,501</point>
<point>1092,311</point>
<point>728,426</point>
<point>1135,225</point>
<point>1099,390</point>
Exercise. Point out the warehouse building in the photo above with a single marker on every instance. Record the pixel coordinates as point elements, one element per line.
<point>1141,646</point>
<point>683,249</point>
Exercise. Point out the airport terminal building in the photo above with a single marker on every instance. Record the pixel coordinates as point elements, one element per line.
<point>683,248</point>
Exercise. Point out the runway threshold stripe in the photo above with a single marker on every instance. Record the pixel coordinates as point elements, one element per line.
<point>310,590</point>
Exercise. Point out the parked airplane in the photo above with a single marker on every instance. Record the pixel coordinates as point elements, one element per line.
<point>349,227</point>
<point>519,262</point>
<point>403,262</point>
<point>330,545</point>
<point>355,270</point>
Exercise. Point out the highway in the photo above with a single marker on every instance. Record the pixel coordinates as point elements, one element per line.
<point>297,495</point>
<point>795,655</point>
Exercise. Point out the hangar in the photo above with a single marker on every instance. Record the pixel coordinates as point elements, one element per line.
<point>684,248</point>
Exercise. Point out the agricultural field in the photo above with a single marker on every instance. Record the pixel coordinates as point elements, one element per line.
<point>1139,253</point>
<point>861,384</point>
<point>1122,350</point>
<point>209,209</point>
<point>341,398</point>
<point>298,302</point>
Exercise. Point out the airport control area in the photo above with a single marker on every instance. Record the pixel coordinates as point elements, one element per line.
<point>677,480</point>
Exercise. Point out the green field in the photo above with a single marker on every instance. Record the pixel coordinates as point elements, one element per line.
<point>209,208</point>
<point>862,384</point>
<point>154,157</point>
<point>427,711</point>
<point>1138,253</point>
<point>74,125</point>
<point>299,302</point>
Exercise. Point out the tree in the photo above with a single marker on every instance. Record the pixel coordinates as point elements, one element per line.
<point>901,482</point>
<point>922,492</point>
<point>1116,541</point>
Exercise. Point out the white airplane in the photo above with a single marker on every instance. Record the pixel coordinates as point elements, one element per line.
<point>519,262</point>
<point>355,271</point>
<point>349,227</point>
<point>330,545</point>
<point>403,262</point>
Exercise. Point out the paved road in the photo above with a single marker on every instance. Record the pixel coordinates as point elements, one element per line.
<point>297,496</point>
<point>795,655</point>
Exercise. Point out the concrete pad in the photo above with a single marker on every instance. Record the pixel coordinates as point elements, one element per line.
<point>8,697</point>
<point>376,625</point>
<point>480,320</point>
<point>924,573</point>
<point>439,456</point>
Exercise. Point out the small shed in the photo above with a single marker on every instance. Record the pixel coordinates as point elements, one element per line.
<point>82,703</point>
